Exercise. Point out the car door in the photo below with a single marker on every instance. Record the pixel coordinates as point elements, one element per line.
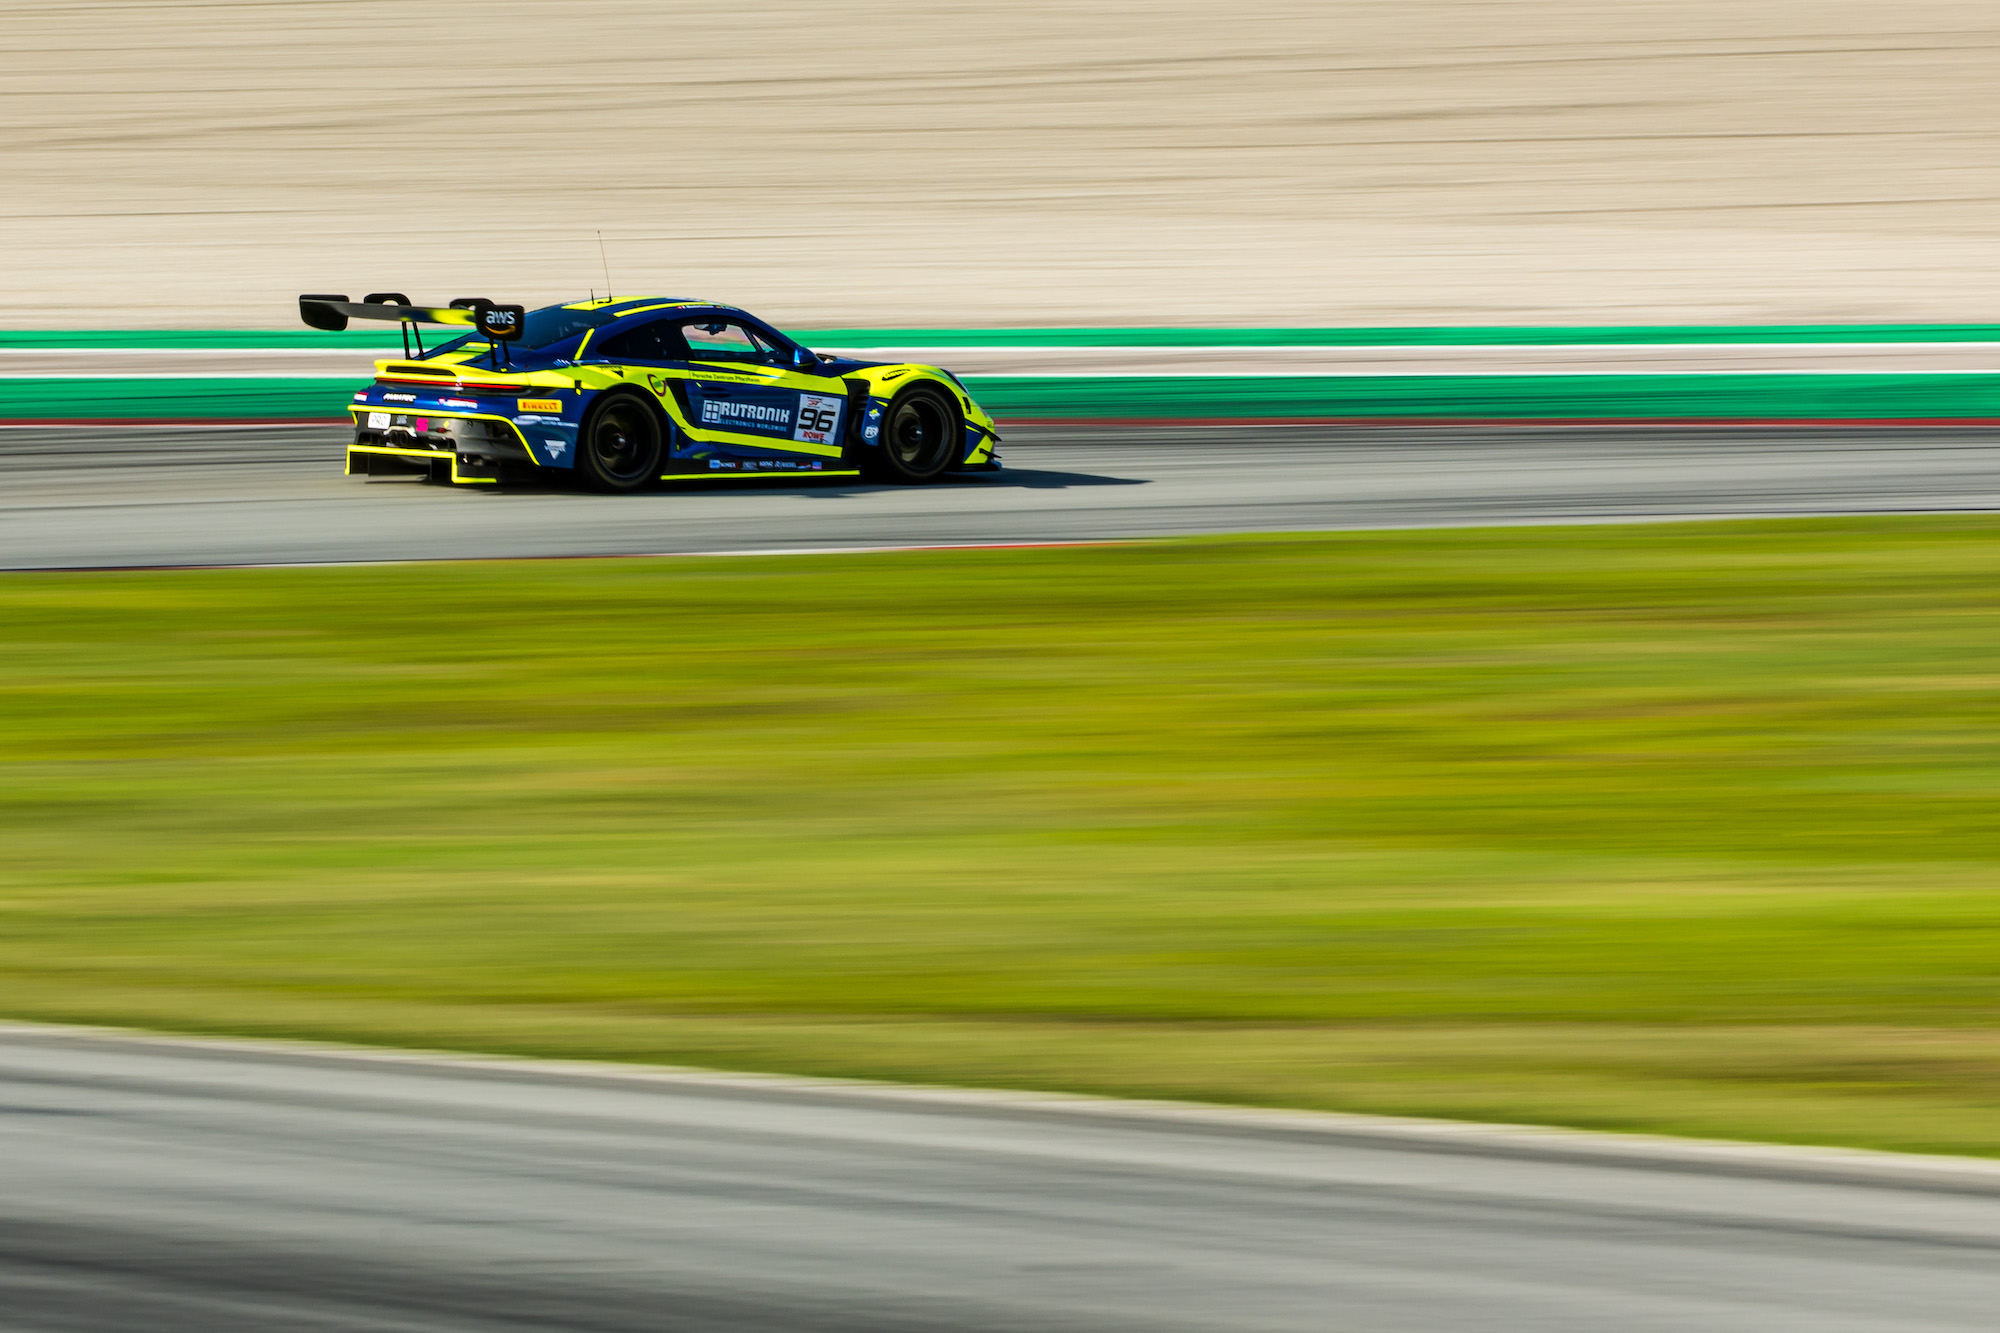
<point>657,358</point>
<point>744,392</point>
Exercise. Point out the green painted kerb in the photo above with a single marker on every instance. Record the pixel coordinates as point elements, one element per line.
<point>1485,336</point>
<point>32,399</point>
<point>1691,397</point>
<point>1686,397</point>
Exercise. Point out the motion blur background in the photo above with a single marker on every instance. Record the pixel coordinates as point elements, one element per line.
<point>954,163</point>
<point>1512,814</point>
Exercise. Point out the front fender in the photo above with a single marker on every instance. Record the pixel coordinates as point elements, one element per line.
<point>883,383</point>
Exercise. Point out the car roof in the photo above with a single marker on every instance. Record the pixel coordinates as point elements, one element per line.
<point>632,305</point>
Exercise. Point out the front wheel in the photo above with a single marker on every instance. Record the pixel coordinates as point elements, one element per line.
<point>920,436</point>
<point>619,449</point>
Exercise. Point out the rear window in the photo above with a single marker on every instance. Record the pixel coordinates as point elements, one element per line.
<point>545,327</point>
<point>552,324</point>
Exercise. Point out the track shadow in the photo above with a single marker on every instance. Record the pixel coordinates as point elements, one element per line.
<point>1025,479</point>
<point>826,488</point>
<point>1041,479</point>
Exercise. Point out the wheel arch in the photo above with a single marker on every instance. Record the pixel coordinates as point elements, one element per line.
<point>668,425</point>
<point>877,459</point>
<point>613,395</point>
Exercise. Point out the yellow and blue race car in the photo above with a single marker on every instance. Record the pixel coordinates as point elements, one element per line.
<point>625,393</point>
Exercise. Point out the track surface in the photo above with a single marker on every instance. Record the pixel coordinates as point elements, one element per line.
<point>178,1187</point>
<point>147,496</point>
<point>197,1189</point>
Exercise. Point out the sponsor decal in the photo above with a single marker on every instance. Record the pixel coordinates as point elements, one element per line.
<point>399,398</point>
<point>501,321</point>
<point>378,421</point>
<point>722,412</point>
<point>720,464</point>
<point>458,402</point>
<point>657,384</point>
<point>819,418</point>
<point>555,447</point>
<point>870,431</point>
<point>770,465</point>
<point>360,397</point>
<point>539,405</point>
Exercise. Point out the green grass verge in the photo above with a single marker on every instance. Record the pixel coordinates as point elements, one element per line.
<point>1489,397</point>
<point>1680,828</point>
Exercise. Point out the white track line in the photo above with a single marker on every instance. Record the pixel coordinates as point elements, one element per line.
<point>1716,1156</point>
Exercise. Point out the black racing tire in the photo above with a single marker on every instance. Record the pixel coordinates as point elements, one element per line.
<point>921,436</point>
<point>620,445</point>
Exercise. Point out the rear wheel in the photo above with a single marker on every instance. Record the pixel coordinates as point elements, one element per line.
<point>920,435</point>
<point>620,446</point>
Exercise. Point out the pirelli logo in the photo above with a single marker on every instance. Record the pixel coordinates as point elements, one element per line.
<point>539,405</point>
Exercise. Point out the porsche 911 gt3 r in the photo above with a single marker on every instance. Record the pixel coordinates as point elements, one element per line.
<point>624,393</point>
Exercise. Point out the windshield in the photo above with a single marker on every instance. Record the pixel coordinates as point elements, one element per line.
<point>549,325</point>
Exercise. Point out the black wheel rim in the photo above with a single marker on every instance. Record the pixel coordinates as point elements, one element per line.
<point>918,434</point>
<point>621,442</point>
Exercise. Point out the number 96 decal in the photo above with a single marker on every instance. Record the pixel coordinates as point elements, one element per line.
<point>819,418</point>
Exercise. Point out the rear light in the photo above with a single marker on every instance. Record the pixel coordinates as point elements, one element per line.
<point>455,385</point>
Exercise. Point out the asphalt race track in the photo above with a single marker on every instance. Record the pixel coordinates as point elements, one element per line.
<point>98,496</point>
<point>177,1187</point>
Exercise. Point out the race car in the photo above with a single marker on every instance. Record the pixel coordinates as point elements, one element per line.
<point>621,394</point>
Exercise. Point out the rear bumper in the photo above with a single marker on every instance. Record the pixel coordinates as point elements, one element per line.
<point>458,449</point>
<point>382,460</point>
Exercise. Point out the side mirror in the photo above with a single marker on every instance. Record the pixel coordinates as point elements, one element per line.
<point>804,359</point>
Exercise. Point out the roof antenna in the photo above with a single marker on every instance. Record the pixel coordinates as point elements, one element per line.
<point>603,255</point>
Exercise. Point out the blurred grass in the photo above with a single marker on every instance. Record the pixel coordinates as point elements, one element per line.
<point>1684,828</point>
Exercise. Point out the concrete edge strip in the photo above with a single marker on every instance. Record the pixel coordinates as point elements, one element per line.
<point>1012,421</point>
<point>1487,335</point>
<point>1645,1151</point>
<point>1496,524</point>
<point>914,351</point>
<point>979,377</point>
<point>588,555</point>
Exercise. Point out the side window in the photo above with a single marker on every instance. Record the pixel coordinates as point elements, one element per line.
<point>657,341</point>
<point>723,340</point>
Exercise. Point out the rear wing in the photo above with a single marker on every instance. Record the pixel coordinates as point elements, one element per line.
<point>496,323</point>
